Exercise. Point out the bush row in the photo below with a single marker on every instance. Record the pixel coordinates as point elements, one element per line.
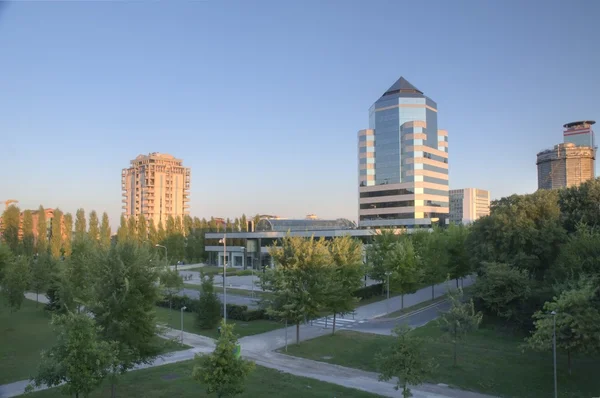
<point>234,311</point>
<point>369,291</point>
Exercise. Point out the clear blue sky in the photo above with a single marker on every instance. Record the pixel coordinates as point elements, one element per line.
<point>263,99</point>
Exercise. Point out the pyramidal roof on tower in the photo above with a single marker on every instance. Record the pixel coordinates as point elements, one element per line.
<point>403,86</point>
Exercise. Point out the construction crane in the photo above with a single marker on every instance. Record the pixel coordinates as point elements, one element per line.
<point>9,202</point>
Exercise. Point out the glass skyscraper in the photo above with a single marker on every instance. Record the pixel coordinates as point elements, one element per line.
<point>403,162</point>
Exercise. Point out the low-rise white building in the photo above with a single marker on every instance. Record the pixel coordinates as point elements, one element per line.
<point>468,204</point>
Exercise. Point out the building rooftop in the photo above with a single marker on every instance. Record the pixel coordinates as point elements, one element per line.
<point>580,123</point>
<point>402,86</point>
<point>284,225</point>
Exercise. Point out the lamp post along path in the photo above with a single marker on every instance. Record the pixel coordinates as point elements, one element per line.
<point>182,309</point>
<point>553,313</point>
<point>224,240</point>
<point>166,255</point>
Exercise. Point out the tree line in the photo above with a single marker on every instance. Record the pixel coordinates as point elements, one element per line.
<point>183,237</point>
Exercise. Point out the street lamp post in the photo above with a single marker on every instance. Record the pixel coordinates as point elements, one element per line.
<point>224,241</point>
<point>387,302</point>
<point>166,255</point>
<point>553,313</point>
<point>182,309</point>
<point>252,268</point>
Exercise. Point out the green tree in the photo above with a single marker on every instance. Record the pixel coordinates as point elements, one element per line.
<point>79,360</point>
<point>460,320</point>
<point>80,228</point>
<point>298,281</point>
<point>502,290</point>
<point>40,274</point>
<point>187,225</point>
<point>105,232</point>
<point>78,278</point>
<point>522,230</point>
<point>179,225</point>
<point>580,255</point>
<point>172,283</point>
<point>6,257</point>
<point>223,372</point>
<point>405,360</point>
<point>67,242</point>
<point>122,231</point>
<point>432,249</point>
<point>15,280</point>
<point>162,235</point>
<point>403,263</point>
<point>56,237</point>
<point>152,233</point>
<point>94,229</point>
<point>579,205</point>
<point>378,253</point>
<point>28,238</point>
<point>577,321</point>
<point>42,232</point>
<point>209,305</point>
<point>131,228</point>
<point>142,229</point>
<point>244,223</point>
<point>345,275</point>
<point>171,227</point>
<point>11,219</point>
<point>123,303</point>
<point>458,257</point>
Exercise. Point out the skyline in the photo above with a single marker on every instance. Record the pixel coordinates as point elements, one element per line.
<point>265,111</point>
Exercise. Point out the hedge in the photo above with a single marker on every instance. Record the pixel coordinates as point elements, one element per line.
<point>369,291</point>
<point>234,311</point>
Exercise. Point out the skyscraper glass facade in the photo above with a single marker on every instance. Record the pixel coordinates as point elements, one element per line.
<point>403,150</point>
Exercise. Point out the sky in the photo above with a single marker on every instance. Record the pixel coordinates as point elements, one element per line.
<point>263,99</point>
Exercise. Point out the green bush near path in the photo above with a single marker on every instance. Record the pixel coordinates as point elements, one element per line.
<point>489,361</point>
<point>190,325</point>
<point>175,380</point>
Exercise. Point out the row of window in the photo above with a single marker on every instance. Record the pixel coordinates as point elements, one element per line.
<point>433,180</point>
<point>403,203</point>
<point>403,191</point>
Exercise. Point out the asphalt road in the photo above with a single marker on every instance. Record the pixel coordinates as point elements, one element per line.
<point>231,298</point>
<point>418,318</point>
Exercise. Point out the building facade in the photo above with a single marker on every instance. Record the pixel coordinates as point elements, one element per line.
<point>565,165</point>
<point>580,133</point>
<point>157,186</point>
<point>403,162</point>
<point>468,204</point>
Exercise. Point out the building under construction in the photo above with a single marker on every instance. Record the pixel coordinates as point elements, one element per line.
<point>565,165</point>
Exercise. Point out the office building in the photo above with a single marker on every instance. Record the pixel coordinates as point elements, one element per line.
<point>156,185</point>
<point>468,204</point>
<point>403,162</point>
<point>580,133</point>
<point>565,165</point>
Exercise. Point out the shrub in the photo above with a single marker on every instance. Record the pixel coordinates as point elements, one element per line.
<point>369,291</point>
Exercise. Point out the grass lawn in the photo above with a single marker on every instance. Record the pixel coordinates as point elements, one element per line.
<point>23,334</point>
<point>175,381</point>
<point>189,324</point>
<point>413,308</point>
<point>489,361</point>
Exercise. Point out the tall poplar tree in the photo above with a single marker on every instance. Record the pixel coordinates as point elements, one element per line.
<point>187,225</point>
<point>67,246</point>
<point>80,229</point>
<point>122,232</point>
<point>162,235</point>
<point>142,229</point>
<point>10,227</point>
<point>105,232</point>
<point>94,230</point>
<point>28,239</point>
<point>131,228</point>
<point>152,233</point>
<point>42,232</point>
<point>56,237</point>
<point>171,228</point>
